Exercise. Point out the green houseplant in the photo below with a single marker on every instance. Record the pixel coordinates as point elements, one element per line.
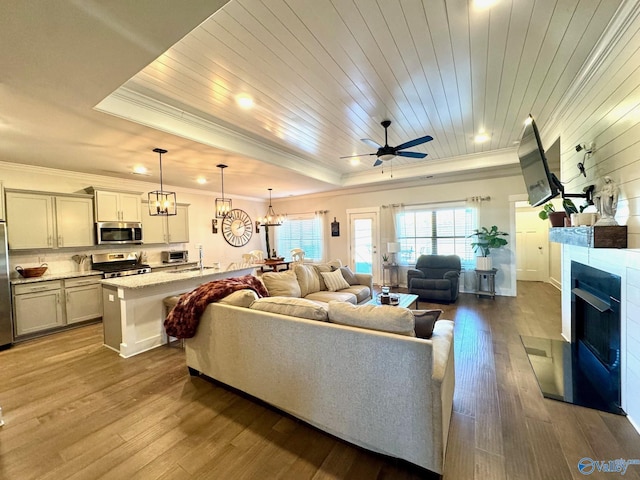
<point>486,240</point>
<point>557,218</point>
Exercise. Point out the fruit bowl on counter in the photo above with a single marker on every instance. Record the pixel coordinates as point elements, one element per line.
<point>31,272</point>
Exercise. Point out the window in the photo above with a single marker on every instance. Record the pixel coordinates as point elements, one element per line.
<point>302,231</point>
<point>442,231</point>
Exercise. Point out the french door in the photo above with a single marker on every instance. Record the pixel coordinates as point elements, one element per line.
<point>364,239</point>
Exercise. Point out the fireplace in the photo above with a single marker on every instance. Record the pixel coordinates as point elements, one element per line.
<point>595,322</point>
<point>586,371</point>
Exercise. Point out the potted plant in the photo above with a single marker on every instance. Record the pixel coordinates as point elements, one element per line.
<point>548,212</point>
<point>487,239</point>
<point>557,218</point>
<point>385,258</point>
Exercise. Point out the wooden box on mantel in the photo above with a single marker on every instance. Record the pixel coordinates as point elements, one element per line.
<point>592,237</point>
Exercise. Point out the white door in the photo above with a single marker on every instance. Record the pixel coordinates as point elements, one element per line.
<point>363,243</point>
<point>532,246</point>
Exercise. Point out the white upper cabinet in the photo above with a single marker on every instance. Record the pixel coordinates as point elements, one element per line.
<point>2,212</point>
<point>171,229</point>
<point>41,220</point>
<point>74,221</point>
<point>113,206</point>
<point>30,220</point>
<point>179,225</point>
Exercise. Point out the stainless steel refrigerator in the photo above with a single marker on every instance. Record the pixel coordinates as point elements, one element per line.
<point>6,324</point>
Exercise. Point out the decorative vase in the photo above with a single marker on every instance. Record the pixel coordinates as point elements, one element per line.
<point>483,263</point>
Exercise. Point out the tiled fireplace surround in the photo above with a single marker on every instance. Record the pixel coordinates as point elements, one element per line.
<point>626,264</point>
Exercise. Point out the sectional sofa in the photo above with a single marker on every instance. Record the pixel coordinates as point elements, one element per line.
<point>378,387</point>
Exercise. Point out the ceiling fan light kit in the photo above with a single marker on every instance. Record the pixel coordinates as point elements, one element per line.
<point>386,152</point>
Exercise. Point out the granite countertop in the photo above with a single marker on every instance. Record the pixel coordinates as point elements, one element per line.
<point>170,276</point>
<point>160,266</point>
<point>53,276</point>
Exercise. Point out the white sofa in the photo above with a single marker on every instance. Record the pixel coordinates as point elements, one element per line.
<point>306,281</point>
<point>388,393</point>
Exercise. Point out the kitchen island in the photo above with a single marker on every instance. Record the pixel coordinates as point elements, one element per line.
<point>133,312</point>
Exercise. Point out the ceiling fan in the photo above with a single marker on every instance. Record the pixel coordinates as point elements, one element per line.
<point>387,152</point>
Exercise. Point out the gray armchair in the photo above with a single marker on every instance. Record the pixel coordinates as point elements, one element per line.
<point>435,278</point>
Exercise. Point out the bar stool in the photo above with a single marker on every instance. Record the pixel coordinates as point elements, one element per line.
<point>169,303</point>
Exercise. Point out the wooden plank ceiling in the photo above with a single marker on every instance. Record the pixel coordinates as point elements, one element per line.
<point>324,73</point>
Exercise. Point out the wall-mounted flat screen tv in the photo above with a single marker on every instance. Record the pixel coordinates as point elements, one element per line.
<point>540,182</point>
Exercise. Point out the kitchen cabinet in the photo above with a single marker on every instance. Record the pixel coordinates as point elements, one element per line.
<point>37,307</point>
<point>171,229</point>
<point>55,304</point>
<point>46,220</point>
<point>83,299</point>
<point>115,206</point>
<point>2,211</point>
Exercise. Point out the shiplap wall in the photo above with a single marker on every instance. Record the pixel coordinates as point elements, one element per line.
<point>606,110</point>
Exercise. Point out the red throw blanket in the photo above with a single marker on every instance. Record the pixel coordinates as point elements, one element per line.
<point>183,320</point>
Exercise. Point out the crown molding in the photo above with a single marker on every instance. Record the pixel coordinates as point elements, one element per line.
<point>133,106</point>
<point>624,17</point>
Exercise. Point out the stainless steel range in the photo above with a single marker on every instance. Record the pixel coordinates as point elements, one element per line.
<point>119,264</point>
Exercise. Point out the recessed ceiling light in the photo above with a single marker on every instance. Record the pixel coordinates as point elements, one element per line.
<point>481,137</point>
<point>244,100</point>
<point>481,4</point>
<point>201,180</point>
<point>140,170</point>
<point>354,161</point>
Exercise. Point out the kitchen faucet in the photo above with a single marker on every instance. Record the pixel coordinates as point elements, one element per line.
<point>200,257</point>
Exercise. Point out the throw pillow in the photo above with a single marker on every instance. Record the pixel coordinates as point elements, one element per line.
<point>349,276</point>
<point>294,307</point>
<point>425,320</point>
<point>281,284</point>
<point>334,280</point>
<point>385,318</point>
<point>308,279</point>
<point>240,298</point>
<point>319,269</point>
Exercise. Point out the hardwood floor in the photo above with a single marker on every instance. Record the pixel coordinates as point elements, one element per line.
<point>75,410</point>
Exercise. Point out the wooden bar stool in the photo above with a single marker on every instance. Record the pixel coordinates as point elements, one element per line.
<point>169,303</point>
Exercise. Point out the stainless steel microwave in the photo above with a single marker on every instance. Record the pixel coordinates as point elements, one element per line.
<point>117,233</point>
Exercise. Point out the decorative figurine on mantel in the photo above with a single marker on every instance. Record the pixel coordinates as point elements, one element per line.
<point>606,201</point>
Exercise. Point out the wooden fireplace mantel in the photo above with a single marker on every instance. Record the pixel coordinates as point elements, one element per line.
<point>592,237</point>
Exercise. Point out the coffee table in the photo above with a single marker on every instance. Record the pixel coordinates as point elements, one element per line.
<point>404,300</point>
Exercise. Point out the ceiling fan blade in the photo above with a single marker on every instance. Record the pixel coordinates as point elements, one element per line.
<point>377,162</point>
<point>411,154</point>
<point>413,143</point>
<point>359,155</point>
<point>371,143</point>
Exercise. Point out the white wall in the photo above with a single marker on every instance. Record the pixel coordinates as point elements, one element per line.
<point>493,212</point>
<point>201,211</point>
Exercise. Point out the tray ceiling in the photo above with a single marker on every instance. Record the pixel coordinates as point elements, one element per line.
<point>322,75</point>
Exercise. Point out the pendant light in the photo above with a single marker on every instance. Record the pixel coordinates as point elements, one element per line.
<point>223,206</point>
<point>271,219</point>
<point>162,203</point>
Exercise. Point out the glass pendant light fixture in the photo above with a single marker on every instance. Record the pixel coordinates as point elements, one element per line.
<point>223,205</point>
<point>162,203</point>
<point>271,219</point>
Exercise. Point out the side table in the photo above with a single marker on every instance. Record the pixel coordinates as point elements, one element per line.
<point>490,279</point>
<point>392,269</point>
